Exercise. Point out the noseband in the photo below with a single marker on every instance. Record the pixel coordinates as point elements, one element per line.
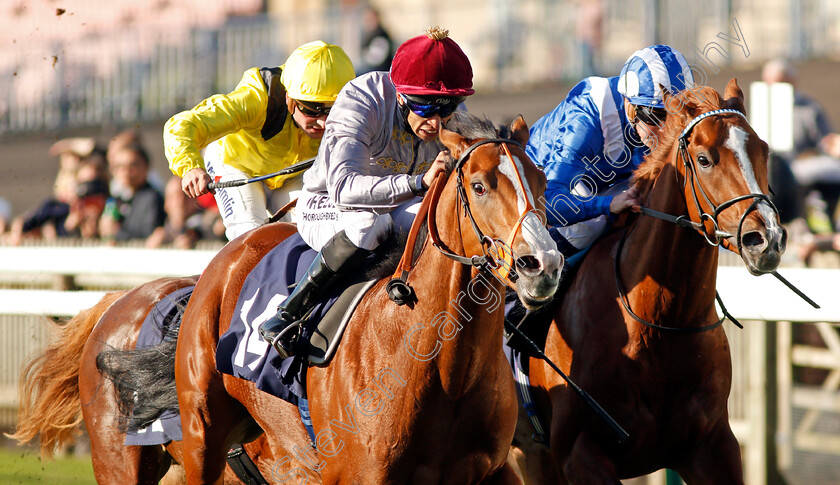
<point>691,172</point>
<point>715,240</point>
<point>497,254</point>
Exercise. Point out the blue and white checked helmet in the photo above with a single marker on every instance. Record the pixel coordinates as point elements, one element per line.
<point>647,68</point>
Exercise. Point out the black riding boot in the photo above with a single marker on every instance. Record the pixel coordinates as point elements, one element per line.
<point>336,258</point>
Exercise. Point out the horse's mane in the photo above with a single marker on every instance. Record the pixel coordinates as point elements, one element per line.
<point>472,127</point>
<point>694,102</point>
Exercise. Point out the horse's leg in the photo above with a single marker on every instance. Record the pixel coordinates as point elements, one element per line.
<point>716,460</point>
<point>587,464</point>
<point>530,458</point>
<point>207,418</point>
<point>208,413</point>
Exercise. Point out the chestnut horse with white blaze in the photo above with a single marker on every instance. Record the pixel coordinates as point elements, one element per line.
<point>419,393</point>
<point>637,327</point>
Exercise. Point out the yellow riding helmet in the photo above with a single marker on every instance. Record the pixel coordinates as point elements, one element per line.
<point>316,72</point>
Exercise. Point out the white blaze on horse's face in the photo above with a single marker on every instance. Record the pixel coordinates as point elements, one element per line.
<point>737,142</point>
<point>533,230</point>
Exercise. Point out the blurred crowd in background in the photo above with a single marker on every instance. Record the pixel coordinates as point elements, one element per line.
<point>107,192</point>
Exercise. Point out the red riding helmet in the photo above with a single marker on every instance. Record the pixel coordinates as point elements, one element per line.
<point>432,64</point>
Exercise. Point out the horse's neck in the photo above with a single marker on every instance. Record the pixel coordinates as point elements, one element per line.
<point>464,307</point>
<point>674,261</point>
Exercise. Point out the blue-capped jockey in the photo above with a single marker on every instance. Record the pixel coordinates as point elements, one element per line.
<point>598,135</point>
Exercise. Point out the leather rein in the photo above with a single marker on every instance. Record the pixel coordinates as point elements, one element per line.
<point>497,255</point>
<point>714,239</point>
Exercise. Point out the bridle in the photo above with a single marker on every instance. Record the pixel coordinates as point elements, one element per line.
<point>691,172</point>
<point>714,240</point>
<point>497,254</point>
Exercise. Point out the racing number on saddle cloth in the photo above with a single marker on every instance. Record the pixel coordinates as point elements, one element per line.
<point>252,347</point>
<point>241,351</point>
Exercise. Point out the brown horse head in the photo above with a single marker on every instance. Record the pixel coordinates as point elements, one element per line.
<point>722,164</point>
<point>503,190</point>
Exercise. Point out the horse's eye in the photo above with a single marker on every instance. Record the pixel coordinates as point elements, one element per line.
<point>703,161</point>
<point>478,188</point>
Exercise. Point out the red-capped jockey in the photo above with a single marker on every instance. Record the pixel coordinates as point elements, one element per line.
<point>378,155</point>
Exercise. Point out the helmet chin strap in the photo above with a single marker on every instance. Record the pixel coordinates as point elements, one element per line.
<point>404,113</point>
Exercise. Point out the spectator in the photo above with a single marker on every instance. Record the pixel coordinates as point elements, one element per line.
<point>815,158</point>
<point>48,219</point>
<point>90,198</point>
<point>138,210</point>
<point>129,137</point>
<point>184,217</point>
<point>377,48</point>
<point>5,214</point>
<point>589,31</point>
<point>69,151</point>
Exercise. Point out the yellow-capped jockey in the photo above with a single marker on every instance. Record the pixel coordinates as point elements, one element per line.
<point>273,119</point>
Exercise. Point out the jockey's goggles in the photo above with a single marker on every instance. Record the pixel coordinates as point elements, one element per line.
<point>650,116</point>
<point>312,109</point>
<point>428,106</point>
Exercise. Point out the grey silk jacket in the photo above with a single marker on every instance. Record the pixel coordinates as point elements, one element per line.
<point>369,159</point>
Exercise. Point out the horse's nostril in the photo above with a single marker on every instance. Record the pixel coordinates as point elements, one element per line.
<point>528,264</point>
<point>752,239</point>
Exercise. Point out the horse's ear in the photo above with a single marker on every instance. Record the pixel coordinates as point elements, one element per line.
<point>733,96</point>
<point>454,142</point>
<point>674,103</point>
<point>519,130</point>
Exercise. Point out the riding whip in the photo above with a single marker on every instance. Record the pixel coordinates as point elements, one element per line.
<point>298,167</point>
<point>618,432</point>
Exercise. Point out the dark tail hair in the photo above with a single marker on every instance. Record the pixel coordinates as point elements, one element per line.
<point>144,379</point>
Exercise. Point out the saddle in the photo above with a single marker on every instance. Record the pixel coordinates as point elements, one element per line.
<point>243,353</point>
<point>324,337</point>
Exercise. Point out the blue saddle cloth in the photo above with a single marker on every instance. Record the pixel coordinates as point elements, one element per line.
<point>161,324</point>
<point>241,351</point>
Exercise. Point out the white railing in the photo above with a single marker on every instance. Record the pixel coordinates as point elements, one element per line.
<point>106,267</point>
<point>756,301</point>
<point>46,273</point>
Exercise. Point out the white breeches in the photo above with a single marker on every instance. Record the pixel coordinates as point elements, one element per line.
<point>319,220</point>
<point>246,207</point>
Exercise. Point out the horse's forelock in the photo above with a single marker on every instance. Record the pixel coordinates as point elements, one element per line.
<point>471,127</point>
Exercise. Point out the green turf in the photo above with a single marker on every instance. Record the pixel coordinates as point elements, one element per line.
<point>25,467</point>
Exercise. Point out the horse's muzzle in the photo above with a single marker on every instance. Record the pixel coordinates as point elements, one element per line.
<point>539,276</point>
<point>762,250</point>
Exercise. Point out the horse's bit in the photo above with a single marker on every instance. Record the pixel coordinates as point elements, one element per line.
<point>683,221</point>
<point>502,261</point>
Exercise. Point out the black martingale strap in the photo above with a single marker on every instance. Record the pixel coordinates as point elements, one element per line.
<point>244,468</point>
